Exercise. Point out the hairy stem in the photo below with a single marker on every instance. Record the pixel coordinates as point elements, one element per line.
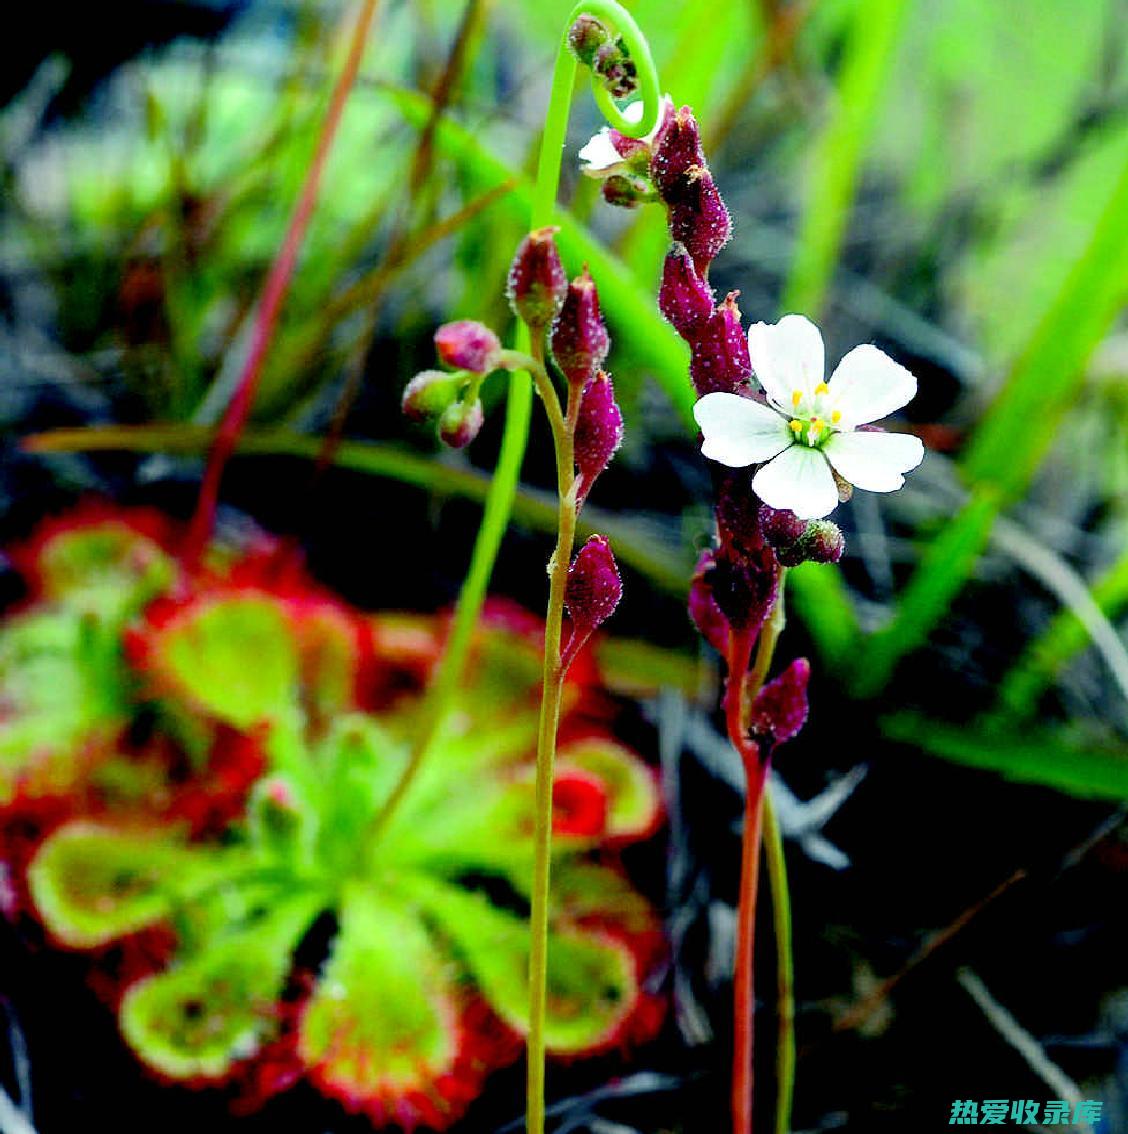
<point>743,685</point>
<point>546,745</point>
<point>273,295</point>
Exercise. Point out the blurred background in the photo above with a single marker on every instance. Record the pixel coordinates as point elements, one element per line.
<point>947,179</point>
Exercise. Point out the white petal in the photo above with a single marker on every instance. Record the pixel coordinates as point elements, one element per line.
<point>868,385</point>
<point>875,461</point>
<point>738,431</point>
<point>799,479</point>
<point>599,155</point>
<point>787,356</point>
<point>632,112</point>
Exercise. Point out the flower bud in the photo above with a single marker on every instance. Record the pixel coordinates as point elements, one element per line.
<point>599,431</point>
<point>592,592</point>
<point>780,708</point>
<point>537,282</point>
<point>781,527</point>
<point>613,64</point>
<point>701,221</point>
<point>821,542</point>
<point>738,513</point>
<point>720,352</point>
<point>745,585</point>
<point>625,192</point>
<point>585,37</point>
<point>579,336</point>
<point>685,299</point>
<point>460,423</point>
<point>703,609</point>
<point>429,393</point>
<point>678,156</point>
<point>467,345</point>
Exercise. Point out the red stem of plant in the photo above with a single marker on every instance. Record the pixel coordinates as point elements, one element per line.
<point>273,294</point>
<point>740,654</point>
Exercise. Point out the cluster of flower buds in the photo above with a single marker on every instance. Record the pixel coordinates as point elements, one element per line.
<point>450,397</point>
<point>594,45</point>
<point>567,315</point>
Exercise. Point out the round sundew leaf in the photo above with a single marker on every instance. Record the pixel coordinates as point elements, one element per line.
<point>634,803</point>
<point>62,702</point>
<point>592,985</point>
<point>218,1007</point>
<point>383,1019</point>
<point>93,884</point>
<point>234,656</point>
<point>108,569</point>
<point>330,661</point>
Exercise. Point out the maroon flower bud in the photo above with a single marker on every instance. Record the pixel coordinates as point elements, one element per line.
<point>592,592</point>
<point>613,64</point>
<point>781,527</point>
<point>700,220</point>
<point>720,352</point>
<point>585,37</point>
<point>821,542</point>
<point>599,431</point>
<point>825,542</point>
<point>537,282</point>
<point>685,299</point>
<point>467,345</point>
<point>703,609</point>
<point>429,393</point>
<point>745,585</point>
<point>738,513</point>
<point>678,156</point>
<point>461,423</point>
<point>780,709</point>
<point>579,336</point>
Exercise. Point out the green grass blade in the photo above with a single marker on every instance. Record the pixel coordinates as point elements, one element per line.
<point>1090,772</point>
<point>839,150</point>
<point>1064,638</point>
<point>1016,432</point>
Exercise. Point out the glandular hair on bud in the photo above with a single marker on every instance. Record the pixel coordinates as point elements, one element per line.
<point>537,281</point>
<point>599,431</point>
<point>461,423</point>
<point>579,336</point>
<point>429,393</point>
<point>684,298</point>
<point>594,586</point>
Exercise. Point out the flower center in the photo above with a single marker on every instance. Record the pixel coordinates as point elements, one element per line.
<point>813,419</point>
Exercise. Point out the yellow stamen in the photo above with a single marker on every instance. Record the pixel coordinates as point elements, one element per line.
<point>796,398</point>
<point>821,388</point>
<point>796,427</point>
<point>836,416</point>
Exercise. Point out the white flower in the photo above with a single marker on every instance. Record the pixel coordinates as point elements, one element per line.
<point>810,425</point>
<point>599,156</point>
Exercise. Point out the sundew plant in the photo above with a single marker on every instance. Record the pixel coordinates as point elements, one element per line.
<point>564,568</point>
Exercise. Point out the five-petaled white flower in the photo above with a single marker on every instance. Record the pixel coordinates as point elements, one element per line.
<point>810,425</point>
<point>599,156</point>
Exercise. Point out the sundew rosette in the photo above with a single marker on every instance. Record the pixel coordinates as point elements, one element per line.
<point>420,990</point>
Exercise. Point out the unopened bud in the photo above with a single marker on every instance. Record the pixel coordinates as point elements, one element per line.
<point>429,394</point>
<point>599,431</point>
<point>461,423</point>
<point>700,220</point>
<point>468,345</point>
<point>781,527</point>
<point>624,191</point>
<point>579,335</point>
<point>585,37</point>
<point>678,157</point>
<point>780,708</point>
<point>537,282</point>
<point>821,542</point>
<point>703,609</point>
<point>685,299</point>
<point>592,592</point>
<point>613,64</point>
<point>720,352</point>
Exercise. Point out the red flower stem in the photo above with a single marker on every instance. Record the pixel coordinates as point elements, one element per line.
<point>740,691</point>
<point>273,295</point>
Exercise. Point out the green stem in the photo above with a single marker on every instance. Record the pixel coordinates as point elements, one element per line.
<point>546,749</point>
<point>776,865</point>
